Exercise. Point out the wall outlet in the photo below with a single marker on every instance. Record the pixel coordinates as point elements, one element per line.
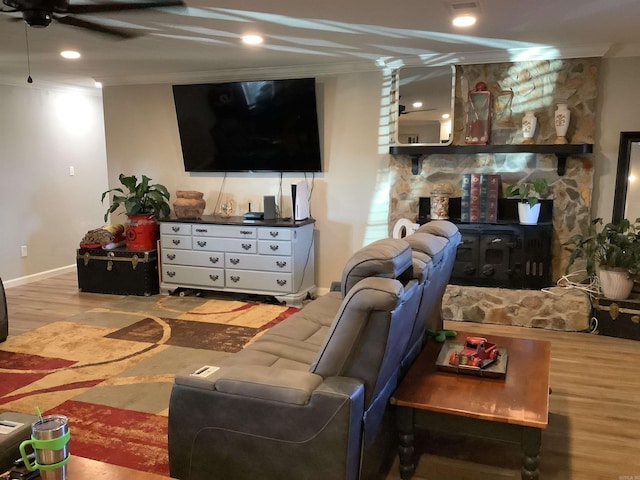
<point>23,250</point>
<point>72,171</point>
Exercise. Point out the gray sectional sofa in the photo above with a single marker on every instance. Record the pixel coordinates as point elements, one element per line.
<point>309,399</point>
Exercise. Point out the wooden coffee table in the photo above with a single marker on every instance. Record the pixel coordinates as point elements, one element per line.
<point>80,468</point>
<point>513,409</point>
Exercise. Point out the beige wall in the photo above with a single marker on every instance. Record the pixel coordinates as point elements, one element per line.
<point>619,111</point>
<point>41,206</point>
<point>42,133</point>
<point>349,199</point>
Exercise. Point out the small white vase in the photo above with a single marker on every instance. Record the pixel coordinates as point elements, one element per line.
<point>614,283</point>
<point>527,214</point>
<point>529,123</point>
<point>561,118</point>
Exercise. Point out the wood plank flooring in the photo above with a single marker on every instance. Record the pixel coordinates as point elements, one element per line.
<point>594,421</point>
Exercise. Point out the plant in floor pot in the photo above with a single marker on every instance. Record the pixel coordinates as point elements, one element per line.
<point>611,254</point>
<point>144,203</point>
<point>529,193</point>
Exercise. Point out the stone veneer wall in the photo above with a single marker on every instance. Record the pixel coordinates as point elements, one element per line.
<point>516,87</point>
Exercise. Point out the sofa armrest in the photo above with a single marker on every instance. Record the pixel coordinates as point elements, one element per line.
<point>264,383</point>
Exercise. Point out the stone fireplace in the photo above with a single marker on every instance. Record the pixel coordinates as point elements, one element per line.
<point>517,88</point>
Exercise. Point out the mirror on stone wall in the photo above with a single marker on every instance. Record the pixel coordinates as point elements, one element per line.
<point>626,202</point>
<point>425,105</point>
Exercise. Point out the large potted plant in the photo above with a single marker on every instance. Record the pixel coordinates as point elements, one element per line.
<point>143,203</point>
<point>611,253</point>
<point>529,194</point>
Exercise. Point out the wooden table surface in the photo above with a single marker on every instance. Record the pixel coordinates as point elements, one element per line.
<point>80,468</point>
<point>522,397</point>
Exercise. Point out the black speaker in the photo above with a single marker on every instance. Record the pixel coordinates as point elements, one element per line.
<point>270,212</point>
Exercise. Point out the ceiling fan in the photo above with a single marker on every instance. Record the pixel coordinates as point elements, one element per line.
<point>40,13</point>
<point>402,110</point>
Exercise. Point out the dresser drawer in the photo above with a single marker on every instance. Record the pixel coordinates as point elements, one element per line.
<point>252,280</point>
<point>224,231</point>
<point>175,241</point>
<point>274,233</point>
<point>217,244</point>
<point>200,276</point>
<point>257,262</point>
<point>175,228</point>
<point>273,247</point>
<point>189,257</point>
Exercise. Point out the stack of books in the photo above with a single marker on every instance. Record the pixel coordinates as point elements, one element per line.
<point>479,202</point>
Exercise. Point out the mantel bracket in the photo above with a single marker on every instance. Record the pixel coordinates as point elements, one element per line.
<point>415,164</point>
<point>562,164</point>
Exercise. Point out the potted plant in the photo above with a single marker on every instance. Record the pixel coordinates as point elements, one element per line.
<point>143,203</point>
<point>611,253</point>
<point>529,194</point>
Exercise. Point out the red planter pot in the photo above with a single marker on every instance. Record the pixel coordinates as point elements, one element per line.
<point>142,232</point>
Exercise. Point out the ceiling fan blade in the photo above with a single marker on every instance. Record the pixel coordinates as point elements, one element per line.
<point>118,7</point>
<point>95,27</point>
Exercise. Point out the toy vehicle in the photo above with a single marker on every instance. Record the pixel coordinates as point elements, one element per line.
<point>477,352</point>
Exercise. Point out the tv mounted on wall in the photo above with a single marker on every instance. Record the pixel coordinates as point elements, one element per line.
<point>267,125</point>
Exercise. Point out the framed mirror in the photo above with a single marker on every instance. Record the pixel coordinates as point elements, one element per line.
<point>426,97</point>
<point>626,200</point>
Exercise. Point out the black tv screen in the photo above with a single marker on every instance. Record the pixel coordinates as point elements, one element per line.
<point>267,125</point>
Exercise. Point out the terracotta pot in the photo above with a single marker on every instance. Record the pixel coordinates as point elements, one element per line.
<point>615,283</point>
<point>142,232</point>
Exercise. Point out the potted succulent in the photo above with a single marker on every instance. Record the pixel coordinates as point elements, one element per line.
<point>611,253</point>
<point>143,203</point>
<point>529,193</point>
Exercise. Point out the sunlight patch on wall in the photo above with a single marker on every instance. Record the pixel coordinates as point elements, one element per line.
<point>378,218</point>
<point>74,112</point>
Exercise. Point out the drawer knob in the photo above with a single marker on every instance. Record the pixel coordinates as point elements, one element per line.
<point>274,247</point>
<point>281,264</point>
<point>282,283</point>
<point>214,259</point>
<point>175,229</point>
<point>171,274</point>
<point>234,261</point>
<point>274,234</point>
<point>234,278</point>
<point>247,246</point>
<point>201,243</point>
<point>214,277</point>
<point>171,256</point>
<point>176,241</point>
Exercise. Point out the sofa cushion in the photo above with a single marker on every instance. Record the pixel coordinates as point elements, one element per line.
<point>429,244</point>
<point>441,228</point>
<point>387,258</point>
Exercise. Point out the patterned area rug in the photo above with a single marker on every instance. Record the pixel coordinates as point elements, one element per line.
<point>110,370</point>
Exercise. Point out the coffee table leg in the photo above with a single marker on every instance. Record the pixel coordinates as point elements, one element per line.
<point>404,417</point>
<point>531,441</point>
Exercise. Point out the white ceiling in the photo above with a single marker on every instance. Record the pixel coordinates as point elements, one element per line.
<point>200,42</point>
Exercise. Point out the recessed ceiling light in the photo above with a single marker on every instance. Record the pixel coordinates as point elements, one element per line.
<point>417,104</point>
<point>252,39</point>
<point>98,84</point>
<point>70,54</point>
<point>445,115</point>
<point>464,20</point>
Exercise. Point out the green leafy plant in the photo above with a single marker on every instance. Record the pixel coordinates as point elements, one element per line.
<point>614,245</point>
<point>529,192</point>
<point>140,198</point>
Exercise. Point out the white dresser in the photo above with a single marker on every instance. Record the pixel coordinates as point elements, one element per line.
<point>228,254</point>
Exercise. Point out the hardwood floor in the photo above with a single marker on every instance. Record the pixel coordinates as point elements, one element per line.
<point>594,421</point>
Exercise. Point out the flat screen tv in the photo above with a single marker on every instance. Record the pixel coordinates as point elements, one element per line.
<point>267,125</point>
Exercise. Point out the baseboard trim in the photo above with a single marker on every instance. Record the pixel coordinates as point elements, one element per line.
<point>38,276</point>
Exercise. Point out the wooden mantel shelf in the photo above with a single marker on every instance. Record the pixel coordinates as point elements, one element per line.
<point>560,151</point>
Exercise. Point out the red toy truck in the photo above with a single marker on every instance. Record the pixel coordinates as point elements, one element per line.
<point>477,352</point>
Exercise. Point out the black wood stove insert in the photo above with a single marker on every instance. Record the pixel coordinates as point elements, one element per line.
<point>505,254</point>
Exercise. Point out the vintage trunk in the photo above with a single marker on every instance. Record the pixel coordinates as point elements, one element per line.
<point>618,318</point>
<point>118,271</point>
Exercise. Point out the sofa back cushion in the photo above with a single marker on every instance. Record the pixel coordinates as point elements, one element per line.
<point>370,333</point>
<point>387,258</point>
